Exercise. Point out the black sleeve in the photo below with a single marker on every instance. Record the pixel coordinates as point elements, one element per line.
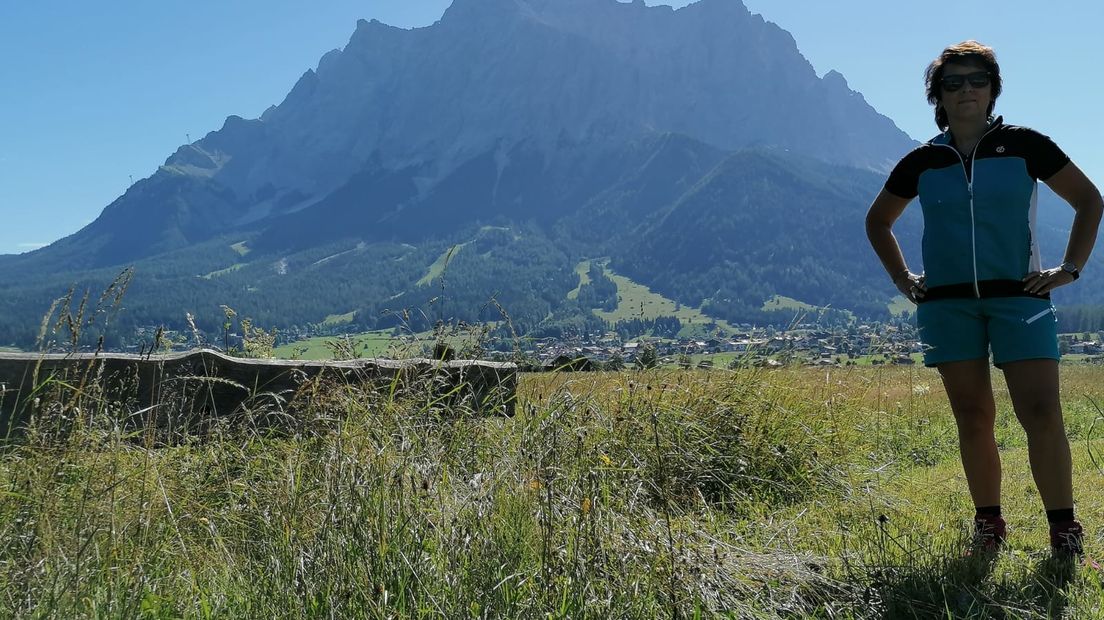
<point>904,181</point>
<point>1044,156</point>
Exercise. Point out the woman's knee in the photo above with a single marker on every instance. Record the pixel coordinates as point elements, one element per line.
<point>1039,415</point>
<point>974,419</point>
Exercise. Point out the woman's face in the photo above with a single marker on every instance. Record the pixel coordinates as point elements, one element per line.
<point>969,101</point>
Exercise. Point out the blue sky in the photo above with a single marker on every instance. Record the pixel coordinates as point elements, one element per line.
<point>92,97</point>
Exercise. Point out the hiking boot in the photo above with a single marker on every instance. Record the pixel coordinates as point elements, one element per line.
<point>989,534</point>
<point>1067,538</point>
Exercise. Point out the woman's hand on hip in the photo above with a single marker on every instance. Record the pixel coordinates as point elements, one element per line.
<point>1045,281</point>
<point>911,285</point>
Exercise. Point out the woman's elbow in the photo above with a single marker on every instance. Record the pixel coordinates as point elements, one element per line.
<point>1091,206</point>
<point>876,225</point>
<point>1097,202</point>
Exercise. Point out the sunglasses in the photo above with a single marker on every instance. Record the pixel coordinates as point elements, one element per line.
<point>977,79</point>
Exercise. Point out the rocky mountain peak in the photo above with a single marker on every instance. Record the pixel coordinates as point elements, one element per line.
<point>469,11</point>
<point>557,76</point>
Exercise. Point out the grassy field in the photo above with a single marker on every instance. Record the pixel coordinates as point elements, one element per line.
<point>868,360</point>
<point>789,493</point>
<point>780,302</point>
<point>799,308</point>
<point>636,301</point>
<point>339,319</point>
<point>382,343</point>
<point>439,265</point>
<point>583,271</point>
<point>720,360</point>
<point>900,306</point>
<point>367,344</point>
<point>222,272</point>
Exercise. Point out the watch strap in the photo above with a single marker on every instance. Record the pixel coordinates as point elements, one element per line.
<point>1071,268</point>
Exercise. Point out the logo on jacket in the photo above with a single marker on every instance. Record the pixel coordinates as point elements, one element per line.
<point>1000,149</point>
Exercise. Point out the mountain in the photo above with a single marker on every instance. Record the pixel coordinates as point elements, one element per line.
<point>677,143</point>
<point>724,230</point>
<point>495,74</point>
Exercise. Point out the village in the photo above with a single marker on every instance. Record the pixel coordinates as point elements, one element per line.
<point>748,346</point>
<point>804,344</point>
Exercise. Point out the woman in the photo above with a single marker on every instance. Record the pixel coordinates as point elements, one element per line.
<point>984,287</point>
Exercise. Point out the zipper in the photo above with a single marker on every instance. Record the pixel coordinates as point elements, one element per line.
<point>1039,316</point>
<point>973,223</point>
<point>970,189</point>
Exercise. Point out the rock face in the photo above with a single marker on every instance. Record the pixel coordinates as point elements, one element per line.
<point>493,78</point>
<point>550,71</point>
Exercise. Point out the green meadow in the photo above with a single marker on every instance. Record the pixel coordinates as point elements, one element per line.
<point>222,272</point>
<point>901,306</point>
<point>339,319</point>
<point>636,301</point>
<point>380,343</point>
<point>786,493</point>
<point>438,267</point>
<point>365,344</point>
<point>583,271</point>
<point>781,302</point>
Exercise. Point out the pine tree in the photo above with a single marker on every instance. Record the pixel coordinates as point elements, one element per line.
<point>647,357</point>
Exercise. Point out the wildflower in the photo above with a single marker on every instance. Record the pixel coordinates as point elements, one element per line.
<point>586,505</point>
<point>607,461</point>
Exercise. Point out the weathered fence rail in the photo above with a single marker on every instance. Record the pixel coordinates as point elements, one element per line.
<point>179,394</point>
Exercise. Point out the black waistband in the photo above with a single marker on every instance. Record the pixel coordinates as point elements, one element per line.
<point>985,289</point>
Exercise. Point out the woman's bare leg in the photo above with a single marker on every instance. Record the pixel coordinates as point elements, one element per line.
<point>971,394</point>
<point>1033,386</point>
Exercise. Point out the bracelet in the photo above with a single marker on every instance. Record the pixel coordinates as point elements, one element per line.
<point>897,277</point>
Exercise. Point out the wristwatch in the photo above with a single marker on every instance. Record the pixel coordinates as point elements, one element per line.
<point>1070,268</point>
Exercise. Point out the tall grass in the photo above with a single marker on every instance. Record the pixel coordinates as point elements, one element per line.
<point>745,494</point>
